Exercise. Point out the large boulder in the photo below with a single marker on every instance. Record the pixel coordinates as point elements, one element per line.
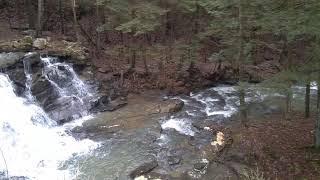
<point>17,76</point>
<point>40,43</point>
<point>104,103</point>
<point>10,59</point>
<point>43,91</point>
<point>65,109</point>
<point>171,106</point>
<point>144,167</point>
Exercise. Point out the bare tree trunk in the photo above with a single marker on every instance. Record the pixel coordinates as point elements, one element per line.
<point>39,23</point>
<point>318,95</point>
<point>133,58</point>
<point>243,106</point>
<point>307,101</point>
<point>317,132</point>
<point>317,135</point>
<point>288,103</point>
<point>144,54</point>
<point>61,16</point>
<point>240,46</point>
<point>196,18</point>
<point>31,15</point>
<point>75,20</point>
<point>100,22</point>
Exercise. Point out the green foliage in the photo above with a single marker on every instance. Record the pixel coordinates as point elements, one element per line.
<point>145,18</point>
<point>129,16</point>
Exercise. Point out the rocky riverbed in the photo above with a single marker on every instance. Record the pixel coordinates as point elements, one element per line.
<point>159,137</point>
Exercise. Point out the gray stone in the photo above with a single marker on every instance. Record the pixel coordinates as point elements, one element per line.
<point>171,106</point>
<point>174,160</point>
<point>200,166</point>
<point>149,164</point>
<point>9,59</point>
<point>40,43</point>
<point>33,58</point>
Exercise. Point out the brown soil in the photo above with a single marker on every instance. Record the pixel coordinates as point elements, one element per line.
<point>280,149</point>
<point>6,33</point>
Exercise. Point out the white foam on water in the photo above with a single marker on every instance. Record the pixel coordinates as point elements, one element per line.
<point>183,126</point>
<point>30,142</point>
<point>191,113</point>
<point>228,110</point>
<point>314,85</point>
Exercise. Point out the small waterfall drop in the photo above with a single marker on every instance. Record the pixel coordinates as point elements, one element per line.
<point>28,74</point>
<point>32,144</point>
<point>62,76</point>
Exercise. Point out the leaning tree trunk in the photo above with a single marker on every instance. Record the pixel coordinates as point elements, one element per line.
<point>307,101</point>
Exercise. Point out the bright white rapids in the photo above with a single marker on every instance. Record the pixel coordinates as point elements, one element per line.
<point>31,144</point>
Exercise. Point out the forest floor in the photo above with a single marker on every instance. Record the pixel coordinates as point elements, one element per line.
<point>277,148</point>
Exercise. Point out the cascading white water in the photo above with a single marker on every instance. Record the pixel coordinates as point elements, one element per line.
<point>56,71</point>
<point>67,83</point>
<point>31,144</point>
<point>28,73</point>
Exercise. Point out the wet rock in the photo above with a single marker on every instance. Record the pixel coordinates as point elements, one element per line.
<point>9,59</point>
<point>65,109</point>
<point>208,152</point>
<point>174,160</point>
<point>171,106</point>
<point>199,169</point>
<point>43,91</point>
<point>149,164</point>
<point>201,138</point>
<point>17,76</point>
<point>200,166</point>
<point>33,58</point>
<point>40,43</point>
<point>209,124</point>
<point>95,132</point>
<point>105,104</point>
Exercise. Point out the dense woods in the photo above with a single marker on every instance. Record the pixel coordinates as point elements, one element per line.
<point>275,42</point>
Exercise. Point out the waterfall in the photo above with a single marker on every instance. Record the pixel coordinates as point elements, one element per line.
<point>32,144</point>
<point>62,76</point>
<point>28,74</point>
